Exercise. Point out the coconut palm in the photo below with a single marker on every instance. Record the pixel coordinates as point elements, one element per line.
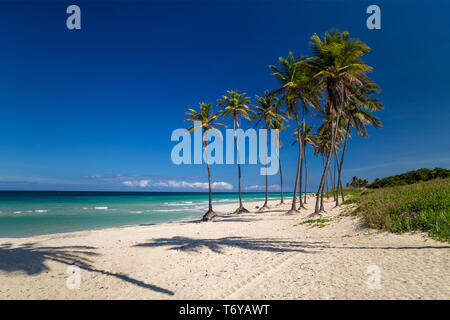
<point>358,115</point>
<point>308,137</point>
<point>297,83</point>
<point>337,63</point>
<point>236,105</point>
<point>205,121</point>
<point>324,129</point>
<point>323,147</point>
<point>280,126</point>
<point>267,112</point>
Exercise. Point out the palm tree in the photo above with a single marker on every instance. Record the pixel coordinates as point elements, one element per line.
<point>205,121</point>
<point>297,83</point>
<point>337,63</point>
<point>236,105</point>
<point>358,115</point>
<point>320,149</point>
<point>324,130</point>
<point>279,125</point>
<point>267,112</point>
<point>323,148</point>
<point>308,137</point>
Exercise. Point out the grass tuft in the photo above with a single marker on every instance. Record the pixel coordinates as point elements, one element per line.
<point>423,206</point>
<point>320,223</point>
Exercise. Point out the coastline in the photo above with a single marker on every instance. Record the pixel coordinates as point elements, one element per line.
<point>268,255</point>
<point>19,217</point>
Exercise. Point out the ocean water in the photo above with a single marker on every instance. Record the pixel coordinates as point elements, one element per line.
<point>28,213</point>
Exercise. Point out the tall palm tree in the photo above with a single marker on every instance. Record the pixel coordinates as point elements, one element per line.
<point>308,137</point>
<point>236,105</point>
<point>267,112</point>
<point>280,126</point>
<point>297,83</point>
<point>337,63</point>
<point>324,130</point>
<point>358,115</point>
<point>323,148</point>
<point>205,121</point>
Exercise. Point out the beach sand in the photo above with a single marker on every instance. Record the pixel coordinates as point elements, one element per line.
<point>265,255</point>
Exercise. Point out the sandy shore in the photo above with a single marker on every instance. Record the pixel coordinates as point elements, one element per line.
<point>251,256</point>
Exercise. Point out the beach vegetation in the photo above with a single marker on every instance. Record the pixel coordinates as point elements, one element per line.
<point>319,223</point>
<point>410,177</point>
<point>422,206</point>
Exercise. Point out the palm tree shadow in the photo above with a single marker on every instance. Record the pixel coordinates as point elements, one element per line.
<point>32,259</point>
<point>264,244</point>
<point>217,245</point>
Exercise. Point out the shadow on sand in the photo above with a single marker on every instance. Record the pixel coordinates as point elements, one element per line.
<point>32,260</point>
<point>264,244</point>
<point>217,245</point>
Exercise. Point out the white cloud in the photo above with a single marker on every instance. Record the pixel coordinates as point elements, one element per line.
<point>257,187</point>
<point>275,187</point>
<point>178,184</point>
<point>137,183</point>
<point>160,184</point>
<point>221,185</point>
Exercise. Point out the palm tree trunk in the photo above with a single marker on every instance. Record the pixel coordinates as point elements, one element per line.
<point>306,171</point>
<point>342,161</point>
<point>210,214</point>
<point>325,171</point>
<point>300,187</point>
<point>328,189</point>
<point>322,209</point>
<point>294,200</point>
<point>279,165</point>
<point>265,206</point>
<point>241,206</point>
<point>281,180</point>
<point>339,184</point>
<point>329,183</point>
<point>209,183</point>
<point>334,176</point>
<point>301,160</point>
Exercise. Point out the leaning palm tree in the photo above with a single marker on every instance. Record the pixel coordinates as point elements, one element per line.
<point>205,121</point>
<point>267,112</point>
<point>324,130</point>
<point>297,83</point>
<point>337,63</point>
<point>358,115</point>
<point>236,105</point>
<point>323,148</point>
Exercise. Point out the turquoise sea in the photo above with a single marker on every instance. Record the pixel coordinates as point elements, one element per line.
<point>28,213</point>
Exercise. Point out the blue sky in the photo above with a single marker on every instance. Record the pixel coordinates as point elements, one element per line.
<point>93,108</point>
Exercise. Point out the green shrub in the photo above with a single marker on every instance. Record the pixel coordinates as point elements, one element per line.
<point>423,206</point>
<point>410,177</point>
<point>351,195</point>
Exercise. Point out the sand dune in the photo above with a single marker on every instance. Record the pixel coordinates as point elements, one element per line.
<point>265,255</point>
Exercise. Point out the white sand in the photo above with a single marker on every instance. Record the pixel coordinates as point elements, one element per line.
<point>250,256</point>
